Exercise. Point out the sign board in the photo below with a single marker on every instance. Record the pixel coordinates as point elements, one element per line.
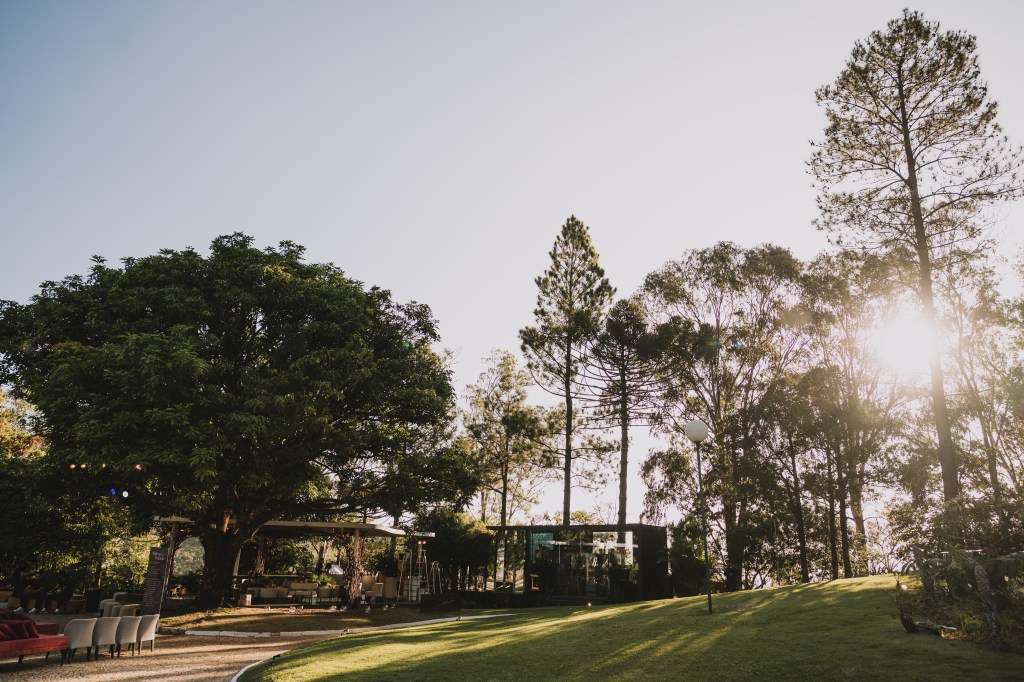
<point>153,589</point>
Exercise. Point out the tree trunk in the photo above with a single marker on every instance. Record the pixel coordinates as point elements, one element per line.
<point>325,546</point>
<point>860,540</point>
<point>221,545</point>
<point>568,435</point>
<point>947,456</point>
<point>798,513</point>
<point>624,449</point>
<point>504,519</point>
<point>832,518</point>
<point>844,531</point>
<point>734,546</point>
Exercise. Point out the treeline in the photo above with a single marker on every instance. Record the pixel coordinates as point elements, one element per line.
<point>807,372</point>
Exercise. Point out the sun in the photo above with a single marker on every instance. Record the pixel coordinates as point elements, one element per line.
<point>905,344</point>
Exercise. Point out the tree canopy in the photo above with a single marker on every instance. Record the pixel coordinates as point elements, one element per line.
<point>236,388</point>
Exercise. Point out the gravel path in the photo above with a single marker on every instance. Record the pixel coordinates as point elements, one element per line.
<point>177,657</point>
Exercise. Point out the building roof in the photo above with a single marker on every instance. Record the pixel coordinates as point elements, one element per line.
<point>282,528</point>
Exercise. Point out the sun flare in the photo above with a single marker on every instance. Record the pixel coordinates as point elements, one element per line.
<point>905,344</point>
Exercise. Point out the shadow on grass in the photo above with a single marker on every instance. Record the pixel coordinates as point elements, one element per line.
<point>844,630</point>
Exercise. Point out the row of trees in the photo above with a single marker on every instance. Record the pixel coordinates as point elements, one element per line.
<point>781,358</point>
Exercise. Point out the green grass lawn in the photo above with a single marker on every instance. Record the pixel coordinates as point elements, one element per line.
<point>842,630</point>
<point>257,619</point>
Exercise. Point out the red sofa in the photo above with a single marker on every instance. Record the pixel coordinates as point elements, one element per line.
<point>47,641</point>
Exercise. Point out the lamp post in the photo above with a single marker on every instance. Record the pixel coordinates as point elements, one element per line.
<point>697,431</point>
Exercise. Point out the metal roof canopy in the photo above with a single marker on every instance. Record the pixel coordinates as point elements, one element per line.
<point>280,529</point>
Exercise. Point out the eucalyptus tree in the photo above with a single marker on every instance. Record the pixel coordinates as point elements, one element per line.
<point>984,353</point>
<point>911,160</point>
<point>620,371</point>
<point>726,316</point>
<point>510,435</point>
<point>228,388</point>
<point>848,299</point>
<point>573,294</point>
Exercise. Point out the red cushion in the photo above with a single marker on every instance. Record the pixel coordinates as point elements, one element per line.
<point>18,627</point>
<point>39,645</point>
<point>7,614</point>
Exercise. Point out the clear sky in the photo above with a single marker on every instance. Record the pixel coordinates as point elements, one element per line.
<point>432,148</point>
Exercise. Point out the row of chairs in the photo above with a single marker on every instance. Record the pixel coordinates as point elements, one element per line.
<point>112,607</point>
<point>113,632</point>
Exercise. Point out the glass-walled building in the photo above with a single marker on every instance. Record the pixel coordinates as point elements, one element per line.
<point>584,563</point>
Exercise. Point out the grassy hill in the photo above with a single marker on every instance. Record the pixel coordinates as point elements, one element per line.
<point>842,630</point>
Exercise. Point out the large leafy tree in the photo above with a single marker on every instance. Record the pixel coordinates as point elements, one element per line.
<point>855,406</point>
<point>511,436</point>
<point>911,159</point>
<point>573,294</point>
<point>225,388</point>
<point>726,313</point>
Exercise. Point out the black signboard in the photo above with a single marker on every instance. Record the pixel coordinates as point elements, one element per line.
<point>153,592</point>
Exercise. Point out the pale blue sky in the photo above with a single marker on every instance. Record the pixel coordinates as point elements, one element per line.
<point>432,148</point>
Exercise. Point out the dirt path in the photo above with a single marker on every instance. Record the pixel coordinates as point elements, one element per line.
<point>181,658</point>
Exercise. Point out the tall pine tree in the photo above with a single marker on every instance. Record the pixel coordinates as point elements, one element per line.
<point>573,294</point>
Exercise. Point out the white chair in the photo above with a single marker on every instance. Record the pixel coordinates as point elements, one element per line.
<point>114,610</point>
<point>390,589</point>
<point>104,634</point>
<point>129,610</point>
<point>127,631</point>
<point>103,607</point>
<point>79,633</point>
<point>147,632</point>
<point>366,586</point>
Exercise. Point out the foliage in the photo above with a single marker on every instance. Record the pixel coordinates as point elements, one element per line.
<point>621,372</point>
<point>225,388</point>
<point>726,315</point>
<point>54,522</point>
<point>460,544</point>
<point>686,557</point>
<point>510,437</point>
<point>572,295</point>
<point>912,158</point>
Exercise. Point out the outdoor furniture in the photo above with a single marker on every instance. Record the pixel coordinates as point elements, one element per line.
<point>106,605</point>
<point>127,631</point>
<point>74,605</point>
<point>104,634</point>
<point>302,591</point>
<point>129,610</point>
<point>390,589</point>
<point>43,644</point>
<point>366,586</point>
<point>147,632</point>
<point>328,594</point>
<point>378,592</point>
<point>113,610</point>
<point>79,634</point>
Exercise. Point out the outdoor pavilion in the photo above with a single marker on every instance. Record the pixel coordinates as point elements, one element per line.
<point>287,529</point>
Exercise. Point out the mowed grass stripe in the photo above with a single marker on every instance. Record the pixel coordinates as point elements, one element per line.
<point>842,630</point>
